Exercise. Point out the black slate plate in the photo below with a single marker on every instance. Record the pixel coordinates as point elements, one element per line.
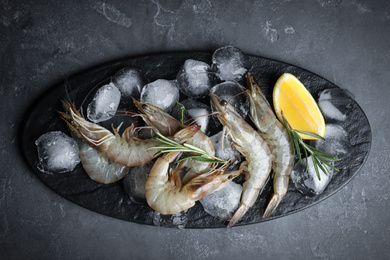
<point>111,200</point>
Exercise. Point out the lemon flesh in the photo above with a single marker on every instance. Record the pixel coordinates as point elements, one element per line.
<point>298,106</point>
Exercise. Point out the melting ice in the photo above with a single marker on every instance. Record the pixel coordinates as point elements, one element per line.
<point>336,144</point>
<point>222,204</point>
<point>194,109</point>
<point>193,78</point>
<point>229,63</point>
<point>335,103</point>
<point>178,220</point>
<point>104,104</point>
<point>57,152</point>
<point>129,81</point>
<point>134,182</point>
<point>227,152</point>
<point>161,93</point>
<point>233,93</point>
<point>308,182</point>
<point>336,141</point>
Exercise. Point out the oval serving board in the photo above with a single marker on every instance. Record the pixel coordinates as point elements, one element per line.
<point>111,200</point>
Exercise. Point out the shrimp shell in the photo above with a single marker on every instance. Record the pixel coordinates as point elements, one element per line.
<point>276,135</point>
<point>253,147</point>
<point>125,150</point>
<point>98,167</point>
<point>154,116</point>
<point>168,125</point>
<point>166,194</point>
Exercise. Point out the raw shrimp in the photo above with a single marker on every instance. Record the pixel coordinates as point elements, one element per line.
<point>275,134</point>
<point>168,125</point>
<point>166,194</point>
<point>98,167</point>
<point>126,150</point>
<point>195,167</point>
<point>154,116</point>
<point>249,143</point>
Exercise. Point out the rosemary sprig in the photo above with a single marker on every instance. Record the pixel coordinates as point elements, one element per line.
<point>319,157</point>
<point>170,146</point>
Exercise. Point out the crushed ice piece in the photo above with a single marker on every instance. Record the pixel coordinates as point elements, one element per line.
<point>134,182</point>
<point>330,111</point>
<point>233,93</point>
<point>229,63</point>
<point>335,103</point>
<point>307,182</point>
<point>193,78</point>
<point>222,204</point>
<point>336,141</point>
<point>228,153</point>
<point>178,220</point>
<point>161,93</point>
<point>129,81</point>
<point>57,152</point>
<point>193,109</point>
<point>104,104</point>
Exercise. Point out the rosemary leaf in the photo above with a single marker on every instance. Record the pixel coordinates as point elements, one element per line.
<point>319,158</point>
<point>170,146</point>
<point>310,134</point>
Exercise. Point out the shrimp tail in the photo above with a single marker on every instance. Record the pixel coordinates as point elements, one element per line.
<point>210,182</point>
<point>242,209</point>
<point>272,205</point>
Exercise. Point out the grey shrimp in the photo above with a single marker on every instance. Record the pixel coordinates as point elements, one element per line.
<point>126,149</point>
<point>167,194</point>
<point>98,167</point>
<point>275,134</point>
<point>252,146</point>
<point>168,125</point>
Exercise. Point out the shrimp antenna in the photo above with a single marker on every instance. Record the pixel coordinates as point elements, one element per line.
<point>243,92</point>
<point>225,133</point>
<point>235,158</point>
<point>67,88</point>
<point>127,113</point>
<point>193,118</point>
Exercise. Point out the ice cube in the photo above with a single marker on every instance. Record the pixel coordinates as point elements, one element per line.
<point>336,103</point>
<point>307,182</point>
<point>161,93</point>
<point>104,104</point>
<point>336,141</point>
<point>193,109</point>
<point>129,81</point>
<point>57,152</point>
<point>193,78</point>
<point>229,63</point>
<point>226,153</point>
<point>134,182</point>
<point>178,220</point>
<point>222,204</point>
<point>233,93</point>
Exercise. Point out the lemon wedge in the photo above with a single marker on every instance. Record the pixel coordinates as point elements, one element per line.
<point>298,106</point>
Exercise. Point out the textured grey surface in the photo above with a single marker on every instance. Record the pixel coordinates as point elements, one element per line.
<point>346,42</point>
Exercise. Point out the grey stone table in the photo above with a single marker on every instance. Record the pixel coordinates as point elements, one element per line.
<point>42,43</point>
